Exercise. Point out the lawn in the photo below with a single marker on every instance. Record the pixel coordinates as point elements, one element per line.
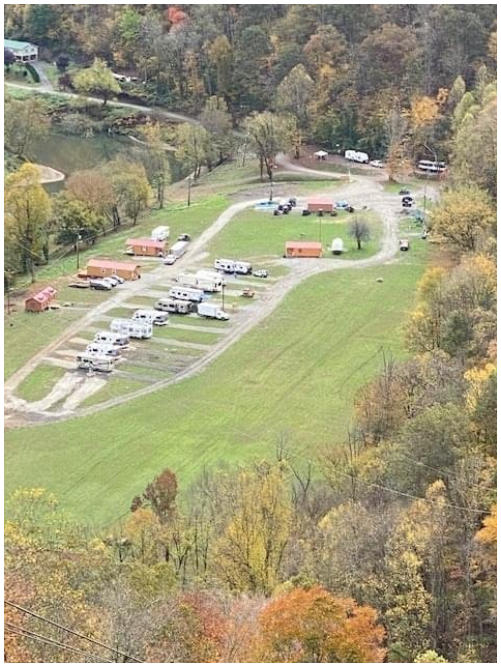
<point>259,234</point>
<point>115,386</point>
<point>40,382</point>
<point>294,375</point>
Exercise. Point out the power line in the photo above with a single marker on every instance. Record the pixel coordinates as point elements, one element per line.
<point>70,631</point>
<point>23,632</point>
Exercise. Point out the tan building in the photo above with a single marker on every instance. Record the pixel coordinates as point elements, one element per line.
<point>303,249</point>
<point>320,204</point>
<point>146,247</point>
<point>100,268</point>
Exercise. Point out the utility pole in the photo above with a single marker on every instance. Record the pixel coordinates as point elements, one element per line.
<point>320,215</point>
<point>79,238</point>
<point>271,188</point>
<point>222,295</point>
<point>189,190</point>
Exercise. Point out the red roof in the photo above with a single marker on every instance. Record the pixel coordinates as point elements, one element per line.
<point>147,243</point>
<point>111,264</point>
<point>44,295</point>
<point>303,244</point>
<point>321,201</point>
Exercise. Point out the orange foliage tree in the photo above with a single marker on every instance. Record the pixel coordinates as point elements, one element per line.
<point>311,625</point>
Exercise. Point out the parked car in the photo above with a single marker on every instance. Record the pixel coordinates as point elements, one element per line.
<point>111,281</point>
<point>184,237</point>
<point>407,198</point>
<point>81,284</point>
<point>404,191</point>
<point>292,201</point>
<point>342,205</point>
<point>305,211</point>
<point>404,244</point>
<point>99,284</point>
<point>119,279</point>
<point>350,209</point>
<point>170,259</point>
<point>260,273</point>
<point>379,164</point>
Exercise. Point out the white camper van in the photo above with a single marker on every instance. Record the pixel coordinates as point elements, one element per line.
<point>337,246</point>
<point>212,310</point>
<point>226,265</point>
<point>111,338</point>
<point>160,233</point>
<point>103,349</point>
<point>178,306</point>
<point>186,294</point>
<point>95,363</point>
<point>132,328</point>
<point>356,156</point>
<point>214,276</point>
<point>153,316</point>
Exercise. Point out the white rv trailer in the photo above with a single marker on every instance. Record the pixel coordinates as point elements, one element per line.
<point>431,167</point>
<point>187,279</point>
<point>186,294</point>
<point>178,306</point>
<point>111,338</point>
<point>132,328</point>
<point>356,156</point>
<point>179,248</point>
<point>160,233</point>
<point>103,349</point>
<point>243,267</point>
<point>151,315</point>
<point>226,265</point>
<point>95,363</point>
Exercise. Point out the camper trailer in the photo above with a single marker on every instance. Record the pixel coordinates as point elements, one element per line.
<point>111,338</point>
<point>337,246</point>
<point>356,156</point>
<point>92,362</point>
<point>103,349</point>
<point>153,316</point>
<point>160,233</point>
<point>187,279</point>
<point>208,274</point>
<point>186,294</point>
<point>243,267</point>
<point>175,306</point>
<point>226,265</point>
<point>132,328</point>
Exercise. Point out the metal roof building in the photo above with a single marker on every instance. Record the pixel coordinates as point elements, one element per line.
<point>24,51</point>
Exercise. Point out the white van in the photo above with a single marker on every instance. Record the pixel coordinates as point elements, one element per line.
<point>186,294</point>
<point>160,233</point>
<point>226,265</point>
<point>103,349</point>
<point>95,363</point>
<point>111,338</point>
<point>175,306</point>
<point>132,328</point>
<point>153,316</point>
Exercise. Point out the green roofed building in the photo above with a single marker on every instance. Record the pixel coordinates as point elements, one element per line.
<point>23,51</point>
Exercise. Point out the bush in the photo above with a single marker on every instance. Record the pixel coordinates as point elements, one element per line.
<point>33,72</point>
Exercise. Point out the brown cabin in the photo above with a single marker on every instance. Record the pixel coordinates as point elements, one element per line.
<point>36,303</point>
<point>303,249</point>
<point>101,268</point>
<point>146,247</point>
<point>320,204</point>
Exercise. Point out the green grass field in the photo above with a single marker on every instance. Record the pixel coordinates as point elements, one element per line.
<point>39,383</point>
<point>295,374</point>
<point>259,234</point>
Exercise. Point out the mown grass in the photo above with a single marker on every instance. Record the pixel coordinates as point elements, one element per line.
<point>296,374</point>
<point>40,382</point>
<point>115,386</point>
<point>260,234</point>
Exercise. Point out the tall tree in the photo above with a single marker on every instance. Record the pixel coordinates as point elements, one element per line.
<point>97,80</point>
<point>269,134</point>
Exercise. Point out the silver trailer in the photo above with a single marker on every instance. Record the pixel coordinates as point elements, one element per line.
<point>151,315</point>
<point>226,265</point>
<point>93,362</point>
<point>111,338</point>
<point>186,294</point>
<point>179,248</point>
<point>103,349</point>
<point>132,328</point>
<point>178,306</point>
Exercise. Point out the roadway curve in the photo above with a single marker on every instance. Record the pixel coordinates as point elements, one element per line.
<point>362,191</point>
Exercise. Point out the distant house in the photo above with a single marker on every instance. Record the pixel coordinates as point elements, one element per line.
<point>100,268</point>
<point>303,249</point>
<point>146,247</point>
<point>23,51</point>
<point>36,303</point>
<point>320,204</point>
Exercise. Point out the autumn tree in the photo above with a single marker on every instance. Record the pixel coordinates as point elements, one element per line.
<point>311,625</point>
<point>130,185</point>
<point>294,94</point>
<point>464,217</point>
<point>97,80</point>
<point>27,213</point>
<point>26,121</point>
<point>160,495</point>
<point>94,188</point>
<point>73,220</point>
<point>155,161</point>
<point>194,147</point>
<point>269,134</point>
<point>217,121</point>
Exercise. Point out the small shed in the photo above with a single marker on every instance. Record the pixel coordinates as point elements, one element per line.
<point>320,204</point>
<point>100,268</point>
<point>146,247</point>
<point>303,249</point>
<point>337,246</point>
<point>321,155</point>
<point>36,303</point>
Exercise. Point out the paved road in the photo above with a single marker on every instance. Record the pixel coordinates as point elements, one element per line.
<point>360,192</point>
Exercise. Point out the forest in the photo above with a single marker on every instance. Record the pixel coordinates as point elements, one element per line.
<point>383,547</point>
